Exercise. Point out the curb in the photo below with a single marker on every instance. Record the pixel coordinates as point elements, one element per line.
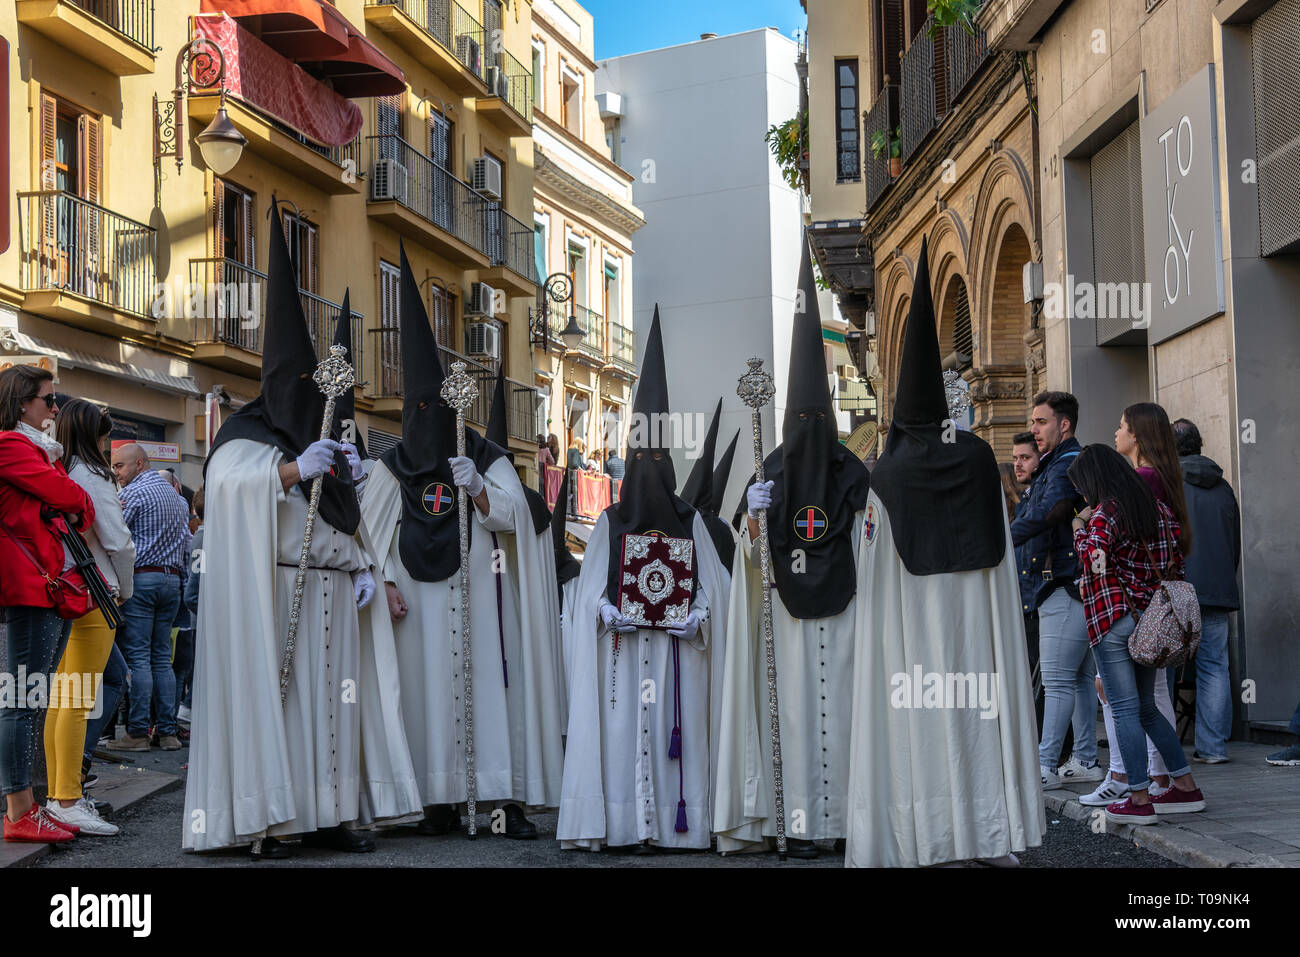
<point>121,786</point>
<point>1170,841</point>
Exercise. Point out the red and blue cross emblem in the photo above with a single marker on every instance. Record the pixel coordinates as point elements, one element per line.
<point>437,499</point>
<point>810,523</point>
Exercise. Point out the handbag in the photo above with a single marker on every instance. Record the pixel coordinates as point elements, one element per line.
<point>1168,632</point>
<point>68,593</point>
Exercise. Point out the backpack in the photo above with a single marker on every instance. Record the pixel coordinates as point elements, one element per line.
<point>1168,632</point>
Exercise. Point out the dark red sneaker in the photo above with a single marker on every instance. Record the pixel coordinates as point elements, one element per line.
<point>1175,801</point>
<point>36,827</point>
<point>1126,812</point>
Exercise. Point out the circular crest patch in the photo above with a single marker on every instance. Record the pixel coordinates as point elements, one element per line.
<point>810,523</point>
<point>437,499</point>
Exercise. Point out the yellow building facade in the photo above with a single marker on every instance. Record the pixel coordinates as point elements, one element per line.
<point>145,283</point>
<point>583,220</point>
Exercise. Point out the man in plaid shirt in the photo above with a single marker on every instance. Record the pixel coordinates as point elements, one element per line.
<point>159,521</point>
<point>1119,573</point>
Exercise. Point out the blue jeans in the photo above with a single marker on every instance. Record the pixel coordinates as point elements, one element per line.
<point>1213,691</point>
<point>35,639</point>
<point>110,692</point>
<point>147,643</point>
<point>1070,696</point>
<point>1131,690</point>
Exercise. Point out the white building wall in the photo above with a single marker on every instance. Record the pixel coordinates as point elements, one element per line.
<point>720,251</point>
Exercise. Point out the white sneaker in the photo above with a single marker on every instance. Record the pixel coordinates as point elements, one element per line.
<point>1050,781</point>
<point>1074,772</point>
<point>84,816</point>
<point>183,715</point>
<point>1108,792</point>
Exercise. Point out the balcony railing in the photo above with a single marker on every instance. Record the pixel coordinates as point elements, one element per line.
<point>131,18</point>
<point>449,24</point>
<point>622,346</point>
<point>934,73</point>
<point>347,156</point>
<point>593,327</point>
<point>881,119</point>
<point>74,245</point>
<point>230,302</point>
<point>511,243</point>
<point>522,413</point>
<point>515,85</point>
<point>398,171</point>
<point>388,377</point>
<point>966,54</point>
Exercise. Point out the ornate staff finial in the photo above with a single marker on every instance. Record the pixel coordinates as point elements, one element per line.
<point>334,376</point>
<point>459,389</point>
<point>958,397</point>
<point>755,388</point>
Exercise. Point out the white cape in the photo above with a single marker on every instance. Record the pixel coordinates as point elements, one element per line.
<point>814,659</point>
<point>931,780</point>
<point>517,728</point>
<point>620,794</point>
<point>241,783</point>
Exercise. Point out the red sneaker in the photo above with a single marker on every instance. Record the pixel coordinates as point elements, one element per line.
<point>53,819</point>
<point>35,827</point>
<point>1175,801</point>
<point>1126,812</point>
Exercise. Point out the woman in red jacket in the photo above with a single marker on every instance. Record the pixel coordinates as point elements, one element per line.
<point>31,479</point>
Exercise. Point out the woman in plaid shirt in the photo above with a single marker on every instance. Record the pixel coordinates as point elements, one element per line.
<point>1127,541</point>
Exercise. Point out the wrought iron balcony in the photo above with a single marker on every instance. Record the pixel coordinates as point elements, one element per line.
<point>510,243</point>
<point>593,327</point>
<point>934,73</point>
<point>73,246</point>
<point>511,83</point>
<point>622,346</point>
<point>879,122</point>
<point>117,35</point>
<point>386,382</point>
<point>459,35</point>
<point>524,422</point>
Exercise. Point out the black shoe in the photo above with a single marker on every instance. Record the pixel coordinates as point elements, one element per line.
<point>840,845</point>
<point>803,850</point>
<point>438,820</point>
<point>270,850</point>
<point>518,826</point>
<point>644,849</point>
<point>340,839</point>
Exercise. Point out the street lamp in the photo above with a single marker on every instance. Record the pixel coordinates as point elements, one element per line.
<point>220,145</point>
<point>557,288</point>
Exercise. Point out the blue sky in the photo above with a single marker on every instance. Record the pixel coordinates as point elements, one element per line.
<point>629,26</point>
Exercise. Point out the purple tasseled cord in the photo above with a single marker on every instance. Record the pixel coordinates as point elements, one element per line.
<point>501,632</point>
<point>675,742</point>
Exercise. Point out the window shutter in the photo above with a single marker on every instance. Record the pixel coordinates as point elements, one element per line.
<point>889,29</point>
<point>311,272</point>
<point>218,231</point>
<point>248,245</point>
<point>49,119</point>
<point>88,148</point>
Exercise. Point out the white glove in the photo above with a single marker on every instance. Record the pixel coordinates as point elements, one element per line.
<point>686,629</point>
<point>759,497</point>
<point>466,475</point>
<point>316,459</point>
<point>363,587</point>
<point>615,621</point>
<point>354,461</point>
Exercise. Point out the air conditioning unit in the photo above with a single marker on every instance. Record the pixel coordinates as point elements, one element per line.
<point>497,82</point>
<point>485,176</point>
<point>483,340</point>
<point>467,51</point>
<point>482,300</point>
<point>847,371</point>
<point>389,181</point>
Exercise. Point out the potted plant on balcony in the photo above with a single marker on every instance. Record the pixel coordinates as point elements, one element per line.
<point>891,142</point>
<point>789,144</point>
<point>953,13</point>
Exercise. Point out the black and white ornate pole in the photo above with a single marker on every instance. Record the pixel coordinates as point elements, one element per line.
<point>459,391</point>
<point>334,377</point>
<point>756,390</point>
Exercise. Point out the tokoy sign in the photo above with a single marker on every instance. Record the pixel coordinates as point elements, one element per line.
<point>1180,209</point>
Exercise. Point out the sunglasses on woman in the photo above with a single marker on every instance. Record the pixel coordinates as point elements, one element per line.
<point>50,399</point>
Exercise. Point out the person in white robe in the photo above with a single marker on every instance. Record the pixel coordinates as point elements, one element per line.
<point>943,763</point>
<point>638,759</point>
<point>814,493</point>
<point>410,508</point>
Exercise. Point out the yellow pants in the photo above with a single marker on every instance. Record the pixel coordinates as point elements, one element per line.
<point>71,698</point>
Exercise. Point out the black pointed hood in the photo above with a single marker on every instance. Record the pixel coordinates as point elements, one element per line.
<point>498,435</point>
<point>939,485</point>
<point>648,500</point>
<point>289,410</point>
<point>722,474</point>
<point>698,490</point>
<point>429,537</point>
<point>819,485</point>
<point>566,566</point>
<point>345,409</point>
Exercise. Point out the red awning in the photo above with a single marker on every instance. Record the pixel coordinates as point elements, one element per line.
<point>361,71</point>
<point>297,29</point>
<point>315,34</point>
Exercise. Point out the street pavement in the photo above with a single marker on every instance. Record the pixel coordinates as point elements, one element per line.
<point>151,838</point>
